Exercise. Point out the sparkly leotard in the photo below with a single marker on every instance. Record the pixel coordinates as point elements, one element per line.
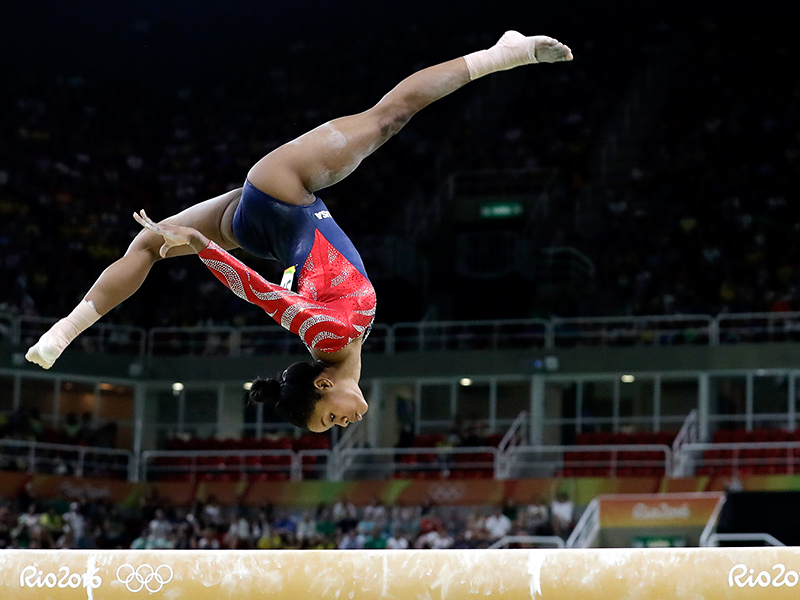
<point>334,302</point>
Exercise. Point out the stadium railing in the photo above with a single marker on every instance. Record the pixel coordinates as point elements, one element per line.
<point>742,458</point>
<point>81,461</point>
<point>688,434</point>
<point>421,336</point>
<point>100,338</point>
<point>503,462</point>
<point>590,460</point>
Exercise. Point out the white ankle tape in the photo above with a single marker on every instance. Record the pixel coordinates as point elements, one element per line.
<point>67,329</point>
<point>512,50</point>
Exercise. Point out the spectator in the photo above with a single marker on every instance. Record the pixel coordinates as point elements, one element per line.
<point>35,425</point>
<point>345,515</point>
<point>397,541</point>
<point>86,431</point>
<point>537,518</point>
<point>561,511</point>
<point>351,540</point>
<point>436,539</point>
<point>376,540</point>
<point>70,429</point>
<point>209,540</point>
<point>52,522</point>
<point>498,525</point>
<point>306,528</point>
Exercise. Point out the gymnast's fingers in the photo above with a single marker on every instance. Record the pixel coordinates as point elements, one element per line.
<point>147,222</point>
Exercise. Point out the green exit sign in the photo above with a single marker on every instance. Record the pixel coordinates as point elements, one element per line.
<point>501,210</point>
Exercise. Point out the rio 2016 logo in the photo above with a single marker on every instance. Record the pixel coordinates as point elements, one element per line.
<point>63,578</point>
<point>741,576</point>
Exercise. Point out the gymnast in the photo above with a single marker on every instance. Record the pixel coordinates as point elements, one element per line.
<point>326,297</point>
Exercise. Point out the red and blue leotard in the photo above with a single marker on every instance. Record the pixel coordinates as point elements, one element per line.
<point>334,302</point>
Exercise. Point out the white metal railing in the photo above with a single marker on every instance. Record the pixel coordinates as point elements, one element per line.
<point>743,457</point>
<point>517,435</point>
<point>539,541</point>
<point>372,463</point>
<point>622,331</point>
<point>193,463</point>
<point>81,461</point>
<point>587,527</point>
<point>711,526</point>
<point>8,327</point>
<point>588,461</point>
<point>469,335</point>
<point>419,336</point>
<point>348,459</point>
<point>351,438</point>
<point>688,434</point>
<point>759,327</point>
<point>113,339</point>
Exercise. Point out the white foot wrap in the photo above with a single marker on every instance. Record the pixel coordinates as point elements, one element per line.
<point>50,346</point>
<point>515,50</point>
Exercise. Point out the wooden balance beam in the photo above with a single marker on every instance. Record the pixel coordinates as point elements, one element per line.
<point>607,574</point>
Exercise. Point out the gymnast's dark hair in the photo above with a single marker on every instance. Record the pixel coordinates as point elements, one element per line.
<point>292,394</point>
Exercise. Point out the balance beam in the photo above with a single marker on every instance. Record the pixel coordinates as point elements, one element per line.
<point>613,574</point>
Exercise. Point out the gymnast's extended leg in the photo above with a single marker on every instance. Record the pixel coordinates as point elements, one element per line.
<point>120,280</point>
<point>332,151</point>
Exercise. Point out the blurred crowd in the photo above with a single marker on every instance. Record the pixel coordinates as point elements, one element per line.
<point>25,523</point>
<point>19,428</point>
<point>703,223</point>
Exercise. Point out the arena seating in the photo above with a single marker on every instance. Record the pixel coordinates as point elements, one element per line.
<point>623,463</point>
<point>234,467</point>
<point>753,460</point>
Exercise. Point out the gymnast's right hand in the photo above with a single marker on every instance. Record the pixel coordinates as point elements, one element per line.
<point>174,235</point>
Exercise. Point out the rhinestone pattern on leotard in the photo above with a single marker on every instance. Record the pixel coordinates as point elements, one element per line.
<point>334,303</point>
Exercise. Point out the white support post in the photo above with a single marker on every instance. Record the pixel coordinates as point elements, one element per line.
<point>96,407</point>
<point>220,408</point>
<point>493,405</point>
<point>537,411</point>
<point>181,410</point>
<point>657,402</point>
<point>374,423</point>
<point>17,391</point>
<point>56,400</point>
<point>259,420</point>
<point>749,401</point>
<point>453,400</point>
<point>703,406</point>
<point>139,393</point>
<point>417,406</point>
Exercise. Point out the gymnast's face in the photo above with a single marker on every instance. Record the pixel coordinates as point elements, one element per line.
<point>342,403</point>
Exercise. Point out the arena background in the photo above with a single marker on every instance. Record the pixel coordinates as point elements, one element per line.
<point>586,274</point>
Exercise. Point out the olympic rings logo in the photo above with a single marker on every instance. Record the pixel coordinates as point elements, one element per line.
<point>144,577</point>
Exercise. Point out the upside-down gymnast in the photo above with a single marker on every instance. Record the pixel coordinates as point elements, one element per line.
<point>331,303</point>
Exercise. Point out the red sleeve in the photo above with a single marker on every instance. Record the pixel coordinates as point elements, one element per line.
<point>319,326</point>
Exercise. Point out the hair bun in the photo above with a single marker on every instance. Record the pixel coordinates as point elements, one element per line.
<point>265,390</point>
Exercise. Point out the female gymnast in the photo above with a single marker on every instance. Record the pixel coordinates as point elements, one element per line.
<point>331,303</point>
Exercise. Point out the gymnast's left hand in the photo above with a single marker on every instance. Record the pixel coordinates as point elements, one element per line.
<point>174,235</point>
